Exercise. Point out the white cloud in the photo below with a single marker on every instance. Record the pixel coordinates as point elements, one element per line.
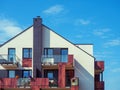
<point>115,70</point>
<point>8,29</point>
<point>54,9</point>
<point>103,33</point>
<point>114,42</point>
<point>82,22</point>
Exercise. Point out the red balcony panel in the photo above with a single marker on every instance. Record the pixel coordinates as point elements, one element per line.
<point>40,82</point>
<point>8,82</point>
<point>34,83</point>
<point>99,65</point>
<point>27,63</point>
<point>70,60</point>
<point>99,85</point>
<point>74,88</point>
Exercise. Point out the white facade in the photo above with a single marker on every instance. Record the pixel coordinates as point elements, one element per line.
<point>83,62</point>
<point>23,40</point>
<point>83,59</point>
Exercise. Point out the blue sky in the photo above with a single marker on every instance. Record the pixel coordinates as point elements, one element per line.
<point>80,21</point>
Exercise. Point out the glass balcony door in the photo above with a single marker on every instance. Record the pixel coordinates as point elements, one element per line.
<point>11,54</point>
<point>64,55</point>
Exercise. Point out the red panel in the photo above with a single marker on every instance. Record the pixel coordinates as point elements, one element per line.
<point>40,83</point>
<point>70,59</point>
<point>99,65</point>
<point>61,75</point>
<point>99,85</point>
<point>27,63</point>
<point>8,83</point>
<point>74,87</point>
<point>36,83</point>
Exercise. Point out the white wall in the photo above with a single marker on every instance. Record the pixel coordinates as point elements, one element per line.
<point>84,63</point>
<point>24,40</point>
<point>87,48</point>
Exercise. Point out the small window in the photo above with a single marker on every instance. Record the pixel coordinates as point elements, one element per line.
<point>27,73</point>
<point>11,74</point>
<point>50,75</point>
<point>27,52</point>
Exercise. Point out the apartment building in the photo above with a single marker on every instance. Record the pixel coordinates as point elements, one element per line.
<point>40,59</point>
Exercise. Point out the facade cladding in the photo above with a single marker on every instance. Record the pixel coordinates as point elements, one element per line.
<point>40,59</point>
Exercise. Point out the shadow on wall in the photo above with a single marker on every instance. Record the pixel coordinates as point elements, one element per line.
<point>86,80</point>
<point>46,36</point>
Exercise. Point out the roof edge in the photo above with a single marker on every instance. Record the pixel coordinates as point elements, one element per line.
<point>69,41</point>
<point>15,36</point>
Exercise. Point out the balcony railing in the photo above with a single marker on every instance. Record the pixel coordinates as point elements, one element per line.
<point>24,83</point>
<point>54,59</point>
<point>6,60</point>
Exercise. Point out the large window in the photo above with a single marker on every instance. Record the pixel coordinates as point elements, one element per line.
<point>11,54</point>
<point>48,52</point>
<point>11,74</point>
<point>27,73</point>
<point>64,54</point>
<point>27,52</point>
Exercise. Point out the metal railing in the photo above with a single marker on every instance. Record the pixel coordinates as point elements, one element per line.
<point>54,59</point>
<point>23,82</point>
<point>8,59</point>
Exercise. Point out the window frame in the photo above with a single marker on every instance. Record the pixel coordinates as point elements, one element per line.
<point>46,52</point>
<point>11,57</point>
<point>29,53</point>
<point>64,57</point>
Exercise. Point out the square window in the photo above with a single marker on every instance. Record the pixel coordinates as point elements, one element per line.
<point>27,73</point>
<point>11,74</point>
<point>27,52</point>
<point>50,75</point>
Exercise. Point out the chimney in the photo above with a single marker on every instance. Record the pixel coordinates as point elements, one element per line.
<point>37,46</point>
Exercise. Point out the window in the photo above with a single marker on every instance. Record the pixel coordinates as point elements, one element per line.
<point>27,73</point>
<point>64,54</point>
<point>27,52</point>
<point>50,75</point>
<point>11,74</point>
<point>11,54</point>
<point>48,52</point>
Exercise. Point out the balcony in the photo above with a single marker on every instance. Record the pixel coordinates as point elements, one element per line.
<point>9,61</point>
<point>24,83</point>
<point>53,60</point>
<point>99,85</point>
<point>99,66</point>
